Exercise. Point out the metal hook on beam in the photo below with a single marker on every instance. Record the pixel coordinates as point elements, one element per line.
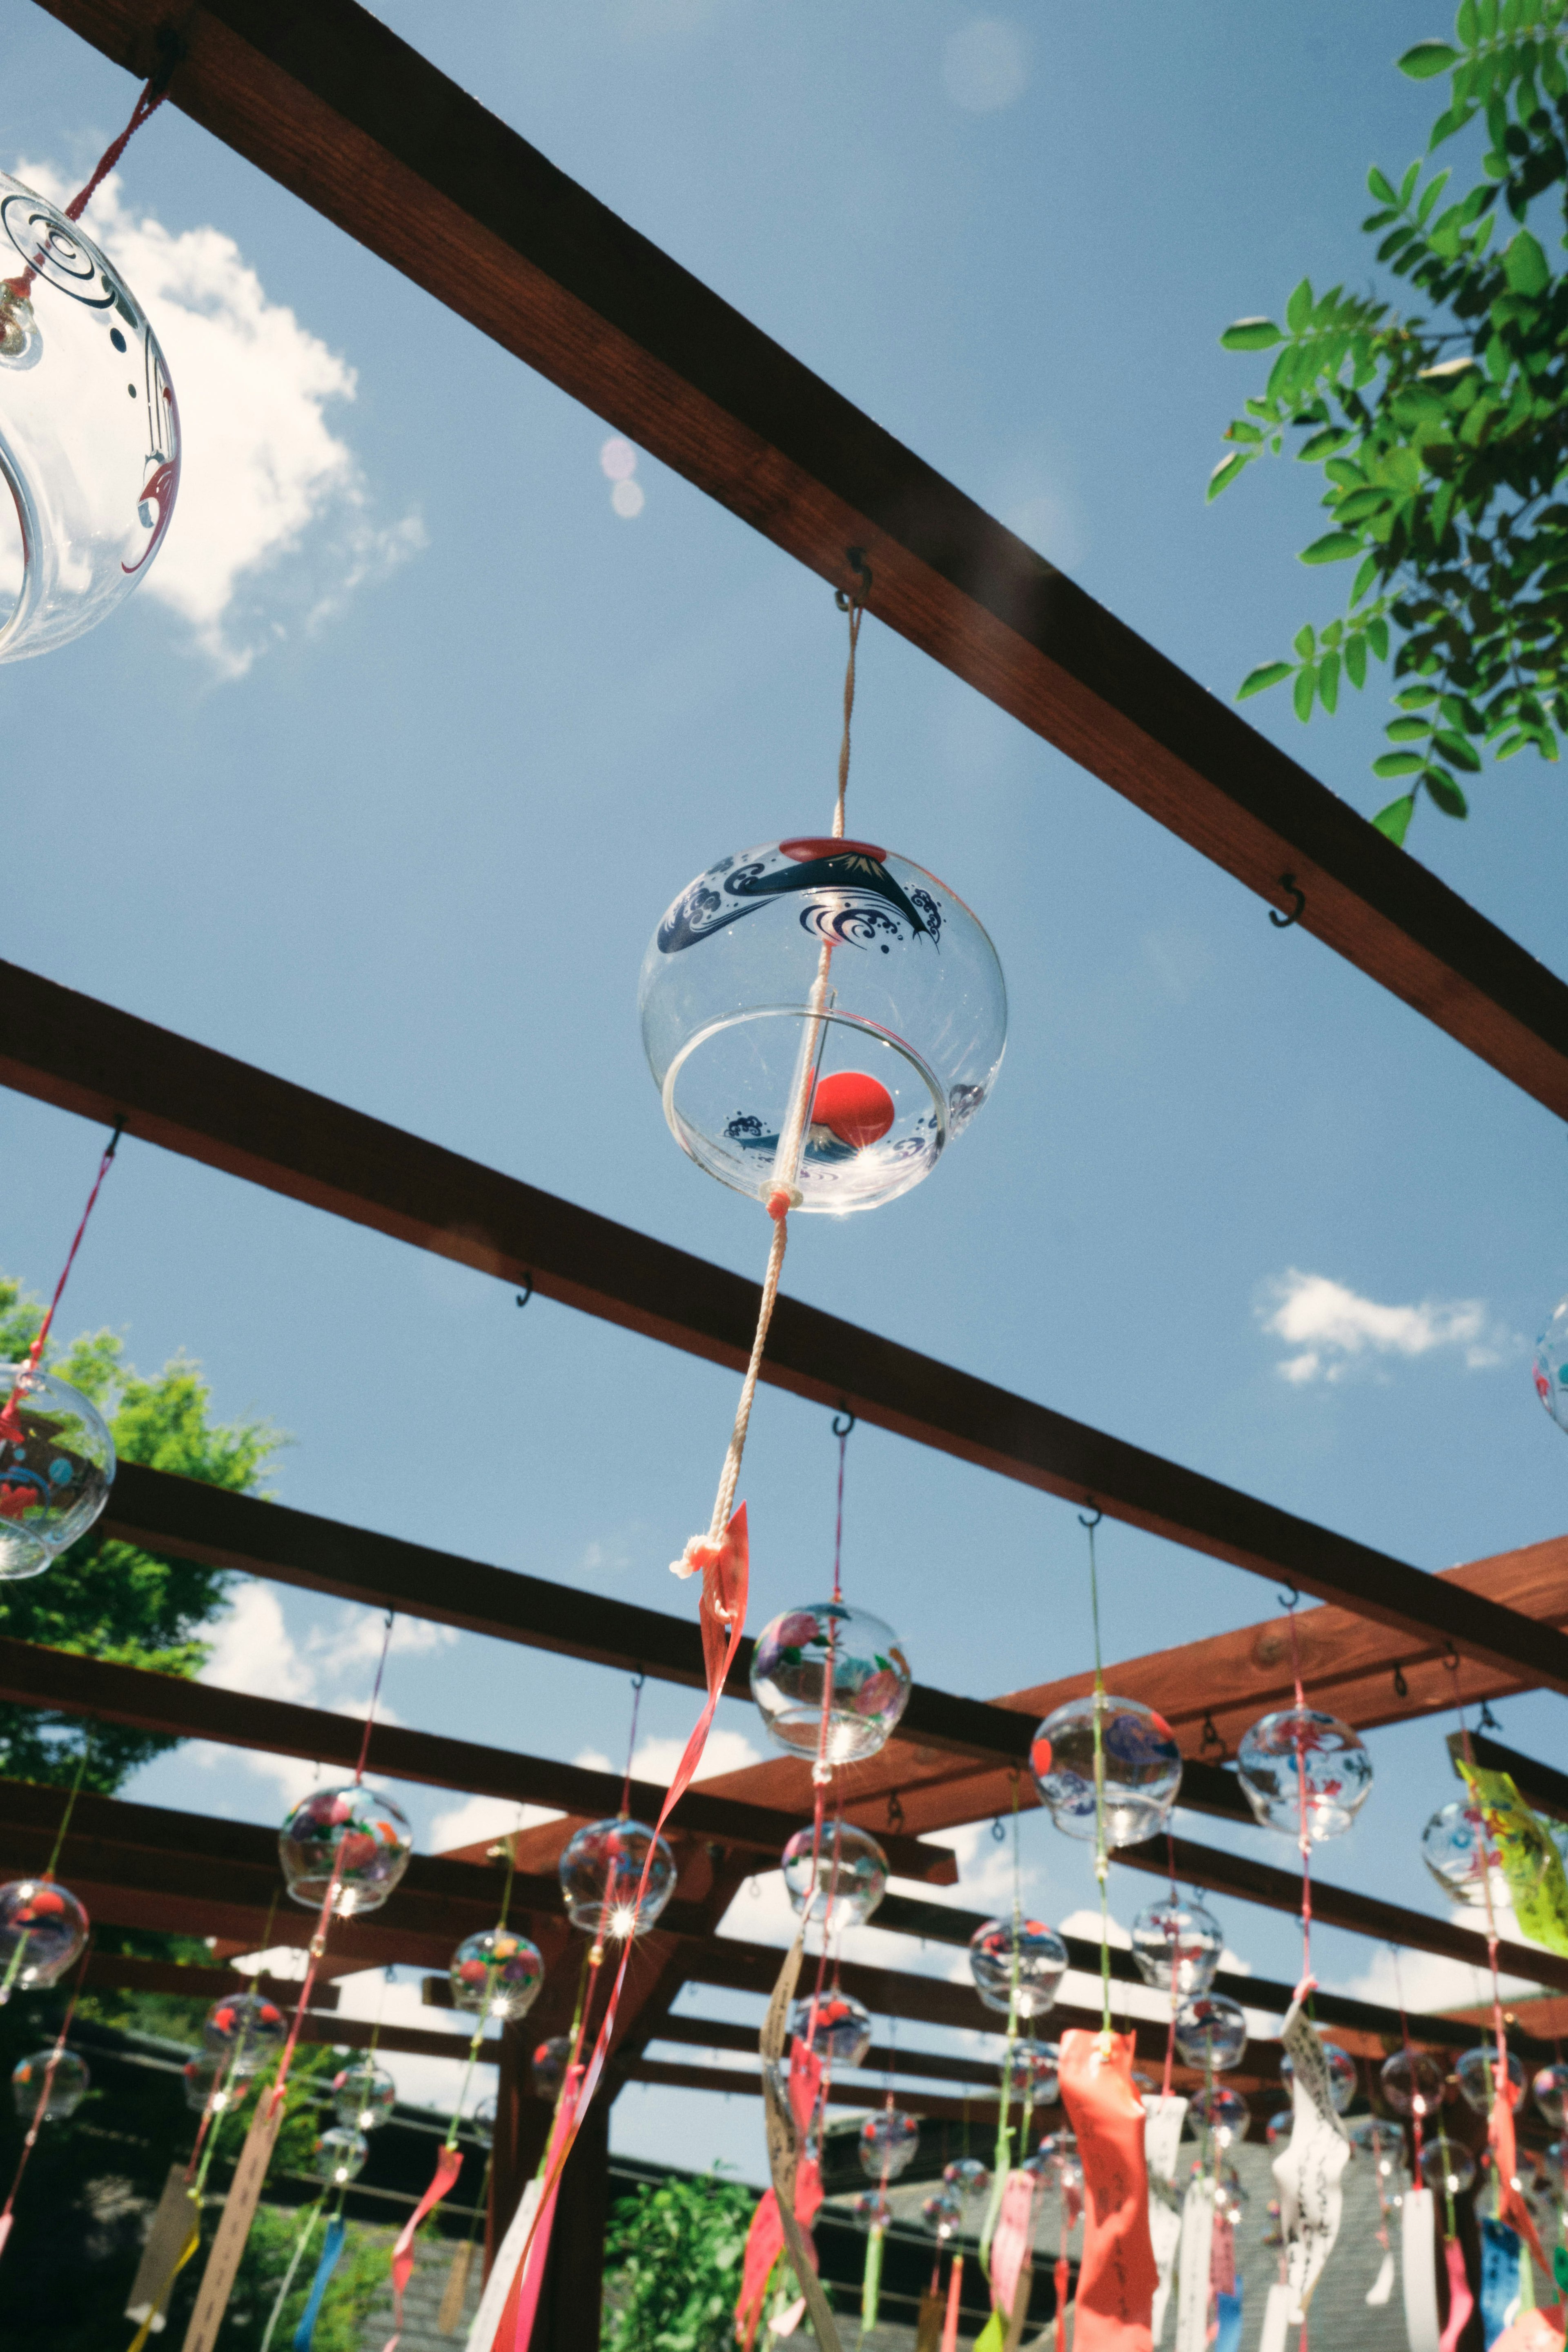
<point>844,597</point>
<point>842,1425</point>
<point>1288,883</point>
<point>526,1293</point>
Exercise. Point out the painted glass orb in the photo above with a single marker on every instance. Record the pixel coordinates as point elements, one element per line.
<point>1446,2168</point>
<point>1552,1365</point>
<point>828,1654</point>
<point>834,2024</point>
<point>942,2213</point>
<point>208,2083</point>
<point>482,2123</point>
<point>1177,1940</point>
<point>68,2086</point>
<point>90,434</point>
<point>43,1928</point>
<point>1142,1768</point>
<point>355,1835</point>
<point>1211,2031</point>
<point>1031,2070</point>
<point>601,1869</point>
<point>495,1974</point>
<point>338,2156</point>
<point>1278,2129</point>
<point>1220,2115</point>
<point>888,2142</point>
<point>547,2067</point>
<point>1413,2081</point>
<point>246,2030</point>
<point>57,1456</point>
<point>364,2095</point>
<point>1458,1852</point>
<point>1056,2163</point>
<point>1477,2077</point>
<point>836,976</point>
<point>849,1879</point>
<point>1017,1966</point>
<point>870,2209</point>
<point>1299,1755</point>
<point>966,2176</point>
<point>1344,2080</point>
<point>1549,2089</point>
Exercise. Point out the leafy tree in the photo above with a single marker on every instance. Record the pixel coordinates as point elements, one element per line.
<point>113,1599</point>
<point>674,2252</point>
<point>1442,433</point>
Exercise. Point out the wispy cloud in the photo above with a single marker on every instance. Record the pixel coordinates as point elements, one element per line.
<point>1331,1330</point>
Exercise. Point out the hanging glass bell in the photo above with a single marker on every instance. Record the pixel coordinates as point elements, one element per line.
<point>364,2095</point>
<point>1057,2165</point>
<point>482,2123</point>
<point>1552,1365</point>
<point>1413,2081</point>
<point>909,1038</point>
<point>1446,2168</point>
<point>790,1666</point>
<point>245,2030</point>
<point>1298,1755</point>
<point>67,2085</point>
<point>601,1869</point>
<point>1210,2032</point>
<point>57,1456</point>
<point>547,2067</point>
<point>1172,1939</point>
<point>90,434</point>
<point>834,2024</point>
<point>870,2209</point>
<point>851,1874</point>
<point>1476,2072</point>
<point>495,1974</point>
<point>1142,1768</point>
<point>338,2156</point>
<point>1344,2080</point>
<point>207,2083</point>
<point>888,2142</point>
<point>43,1928</point>
<point>1549,2089</point>
<point>1458,1852</point>
<point>1220,2115</point>
<point>356,1833</point>
<point>1031,2070</point>
<point>1017,1966</point>
<point>942,2213</point>
<point>965,2178</point>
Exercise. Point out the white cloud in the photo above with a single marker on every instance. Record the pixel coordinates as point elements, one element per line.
<point>274,522</point>
<point>727,1751</point>
<point>1331,1329</point>
<point>985,66</point>
<point>481,1818</point>
<point>254,1651</point>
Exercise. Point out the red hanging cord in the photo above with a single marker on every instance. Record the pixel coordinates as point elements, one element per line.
<point>56,2054</point>
<point>637,1681</point>
<point>10,1422</point>
<point>1307,1980</point>
<point>174,49</point>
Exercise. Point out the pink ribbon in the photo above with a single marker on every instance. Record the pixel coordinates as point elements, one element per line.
<point>448,2164</point>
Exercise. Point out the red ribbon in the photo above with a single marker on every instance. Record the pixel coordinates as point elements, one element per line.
<point>448,2164</point>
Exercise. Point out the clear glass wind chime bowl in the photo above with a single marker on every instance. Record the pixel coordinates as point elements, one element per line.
<point>871,1680</point>
<point>55,1474</point>
<point>912,1030</point>
<point>1141,1773</point>
<point>356,1833</point>
<point>90,433</point>
<point>43,1928</point>
<point>847,1881</point>
<point>1300,1762</point>
<point>600,1871</point>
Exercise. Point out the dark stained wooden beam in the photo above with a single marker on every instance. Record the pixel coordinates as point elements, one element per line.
<point>842,2090</point>
<point>68,1050</point>
<point>32,1676</point>
<point>331,104</point>
<point>881,2058</point>
<point>413,2041</point>
<point>134,1972</point>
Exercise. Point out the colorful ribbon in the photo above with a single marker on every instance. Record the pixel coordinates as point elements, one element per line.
<point>332,2247</point>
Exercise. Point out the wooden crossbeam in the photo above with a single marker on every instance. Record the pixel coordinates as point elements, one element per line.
<point>881,2058</point>
<point>842,2090</point>
<point>32,1676</point>
<point>84,1057</point>
<point>135,1972</point>
<point>333,105</point>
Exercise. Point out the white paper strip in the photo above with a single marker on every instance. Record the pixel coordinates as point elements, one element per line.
<point>1163,2134</point>
<point>1276,2318</point>
<point>492,2303</point>
<point>1197,2250</point>
<point>1307,2171</point>
<point>1164,2236</point>
<point>1381,2287</point>
<point>1419,2264</point>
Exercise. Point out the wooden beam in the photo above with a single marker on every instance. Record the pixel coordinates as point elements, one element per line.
<point>67,1049</point>
<point>412,2040</point>
<point>134,1972</point>
<point>881,2058</point>
<point>333,105</point>
<point>842,2090</point>
<point>32,1676</point>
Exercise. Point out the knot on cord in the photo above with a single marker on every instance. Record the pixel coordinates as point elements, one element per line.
<point>1307,1986</point>
<point>698,1554</point>
<point>821,1774</point>
<point>782,1200</point>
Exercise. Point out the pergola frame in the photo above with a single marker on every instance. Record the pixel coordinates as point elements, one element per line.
<point>336,108</point>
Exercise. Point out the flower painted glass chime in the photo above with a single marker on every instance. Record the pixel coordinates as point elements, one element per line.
<point>1304,1772</point>
<point>831,977</point>
<point>1210,2032</point>
<point>338,2156</point>
<point>827,1659</point>
<point>1018,1967</point>
<point>845,1883</point>
<point>1219,2115</point>
<point>547,2067</point>
<point>68,2084</point>
<point>1552,1365</point>
<point>1477,2075</point>
<point>600,1871</point>
<point>1344,2080</point>
<point>1413,2081</point>
<point>1031,2070</point>
<point>56,1459</point>
<point>90,433</point>
<point>496,1973</point>
<point>243,2030</point>
<point>888,2142</point>
<point>1140,1766</point>
<point>354,1837</point>
<point>1549,2089</point>
<point>834,2024</point>
<point>1177,1943</point>
<point>364,2095</point>
<point>966,2178</point>
<point>43,1928</point>
<point>1458,1853</point>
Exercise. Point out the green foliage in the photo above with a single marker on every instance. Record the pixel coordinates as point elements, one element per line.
<point>359,2278</point>
<point>113,1599</point>
<point>674,2255</point>
<point>1442,434</point>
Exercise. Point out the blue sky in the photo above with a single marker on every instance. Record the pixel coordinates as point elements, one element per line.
<point>383,779</point>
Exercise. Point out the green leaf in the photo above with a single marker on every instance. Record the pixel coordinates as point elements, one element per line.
<point>1455,748</point>
<point>1416,698</point>
<point>1225,472</point>
<point>1240,430</point>
<point>1407,186</point>
<point>1306,642</point>
<point>1364,579</point>
<point>1298,310</point>
<point>1356,660</point>
<point>1356,505</point>
<point>1398,763</point>
<point>1394,820</point>
<point>1251,335</point>
<point>1329,682</point>
<point>1408,731</point>
<point>1334,547</point>
<point>1525,265</point>
<point>1426,58</point>
<point>1324,443</point>
<point>1442,788</point>
<point>1380,188</point>
<point>1378,637</point>
<point>1259,680</point>
<point>1306,681</point>
<point>1429,196</point>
